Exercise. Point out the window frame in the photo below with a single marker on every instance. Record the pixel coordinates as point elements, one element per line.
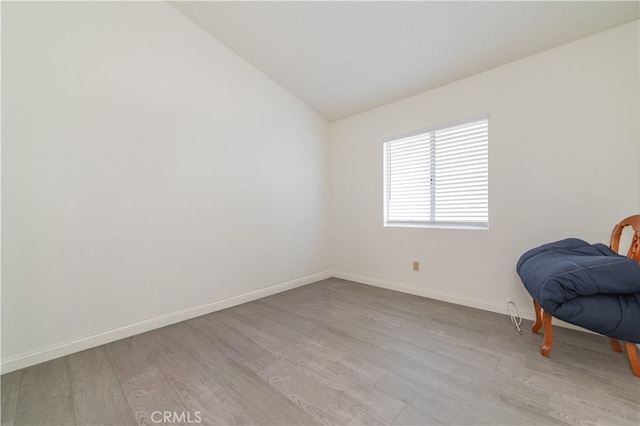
<point>473,225</point>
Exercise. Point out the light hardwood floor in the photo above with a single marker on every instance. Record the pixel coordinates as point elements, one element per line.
<point>333,352</point>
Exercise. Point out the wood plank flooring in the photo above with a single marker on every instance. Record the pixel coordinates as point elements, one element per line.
<point>333,352</point>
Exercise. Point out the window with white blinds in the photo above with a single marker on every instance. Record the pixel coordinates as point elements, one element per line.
<point>438,177</point>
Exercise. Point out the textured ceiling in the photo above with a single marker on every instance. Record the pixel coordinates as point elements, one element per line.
<point>342,58</point>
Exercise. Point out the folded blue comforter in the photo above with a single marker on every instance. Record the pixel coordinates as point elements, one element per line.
<point>587,285</point>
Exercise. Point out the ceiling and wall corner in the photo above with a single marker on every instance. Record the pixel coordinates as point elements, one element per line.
<point>343,58</point>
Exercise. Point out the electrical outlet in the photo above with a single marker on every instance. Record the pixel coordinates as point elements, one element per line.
<point>416,266</point>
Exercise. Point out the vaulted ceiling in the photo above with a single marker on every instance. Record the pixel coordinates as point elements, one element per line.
<point>346,57</point>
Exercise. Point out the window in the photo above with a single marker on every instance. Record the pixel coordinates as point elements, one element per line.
<point>438,177</point>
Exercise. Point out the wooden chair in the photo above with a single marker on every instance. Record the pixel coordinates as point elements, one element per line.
<point>543,319</point>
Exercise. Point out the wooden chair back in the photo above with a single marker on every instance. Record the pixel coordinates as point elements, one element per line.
<point>634,248</point>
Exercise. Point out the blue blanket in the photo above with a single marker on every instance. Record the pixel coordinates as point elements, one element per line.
<point>587,285</point>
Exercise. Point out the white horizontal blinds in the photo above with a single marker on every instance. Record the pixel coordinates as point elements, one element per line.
<point>461,174</point>
<point>408,180</point>
<point>438,177</point>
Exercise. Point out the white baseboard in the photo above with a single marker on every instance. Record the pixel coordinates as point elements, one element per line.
<point>525,313</point>
<point>46,354</point>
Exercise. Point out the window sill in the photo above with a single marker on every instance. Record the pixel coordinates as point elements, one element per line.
<point>459,226</point>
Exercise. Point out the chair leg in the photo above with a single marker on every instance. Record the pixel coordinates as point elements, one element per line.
<point>547,340</point>
<point>543,319</point>
<point>538,323</point>
<point>632,354</point>
<point>615,344</point>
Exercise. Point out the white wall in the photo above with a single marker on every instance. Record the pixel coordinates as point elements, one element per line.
<point>563,161</point>
<point>147,170</point>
